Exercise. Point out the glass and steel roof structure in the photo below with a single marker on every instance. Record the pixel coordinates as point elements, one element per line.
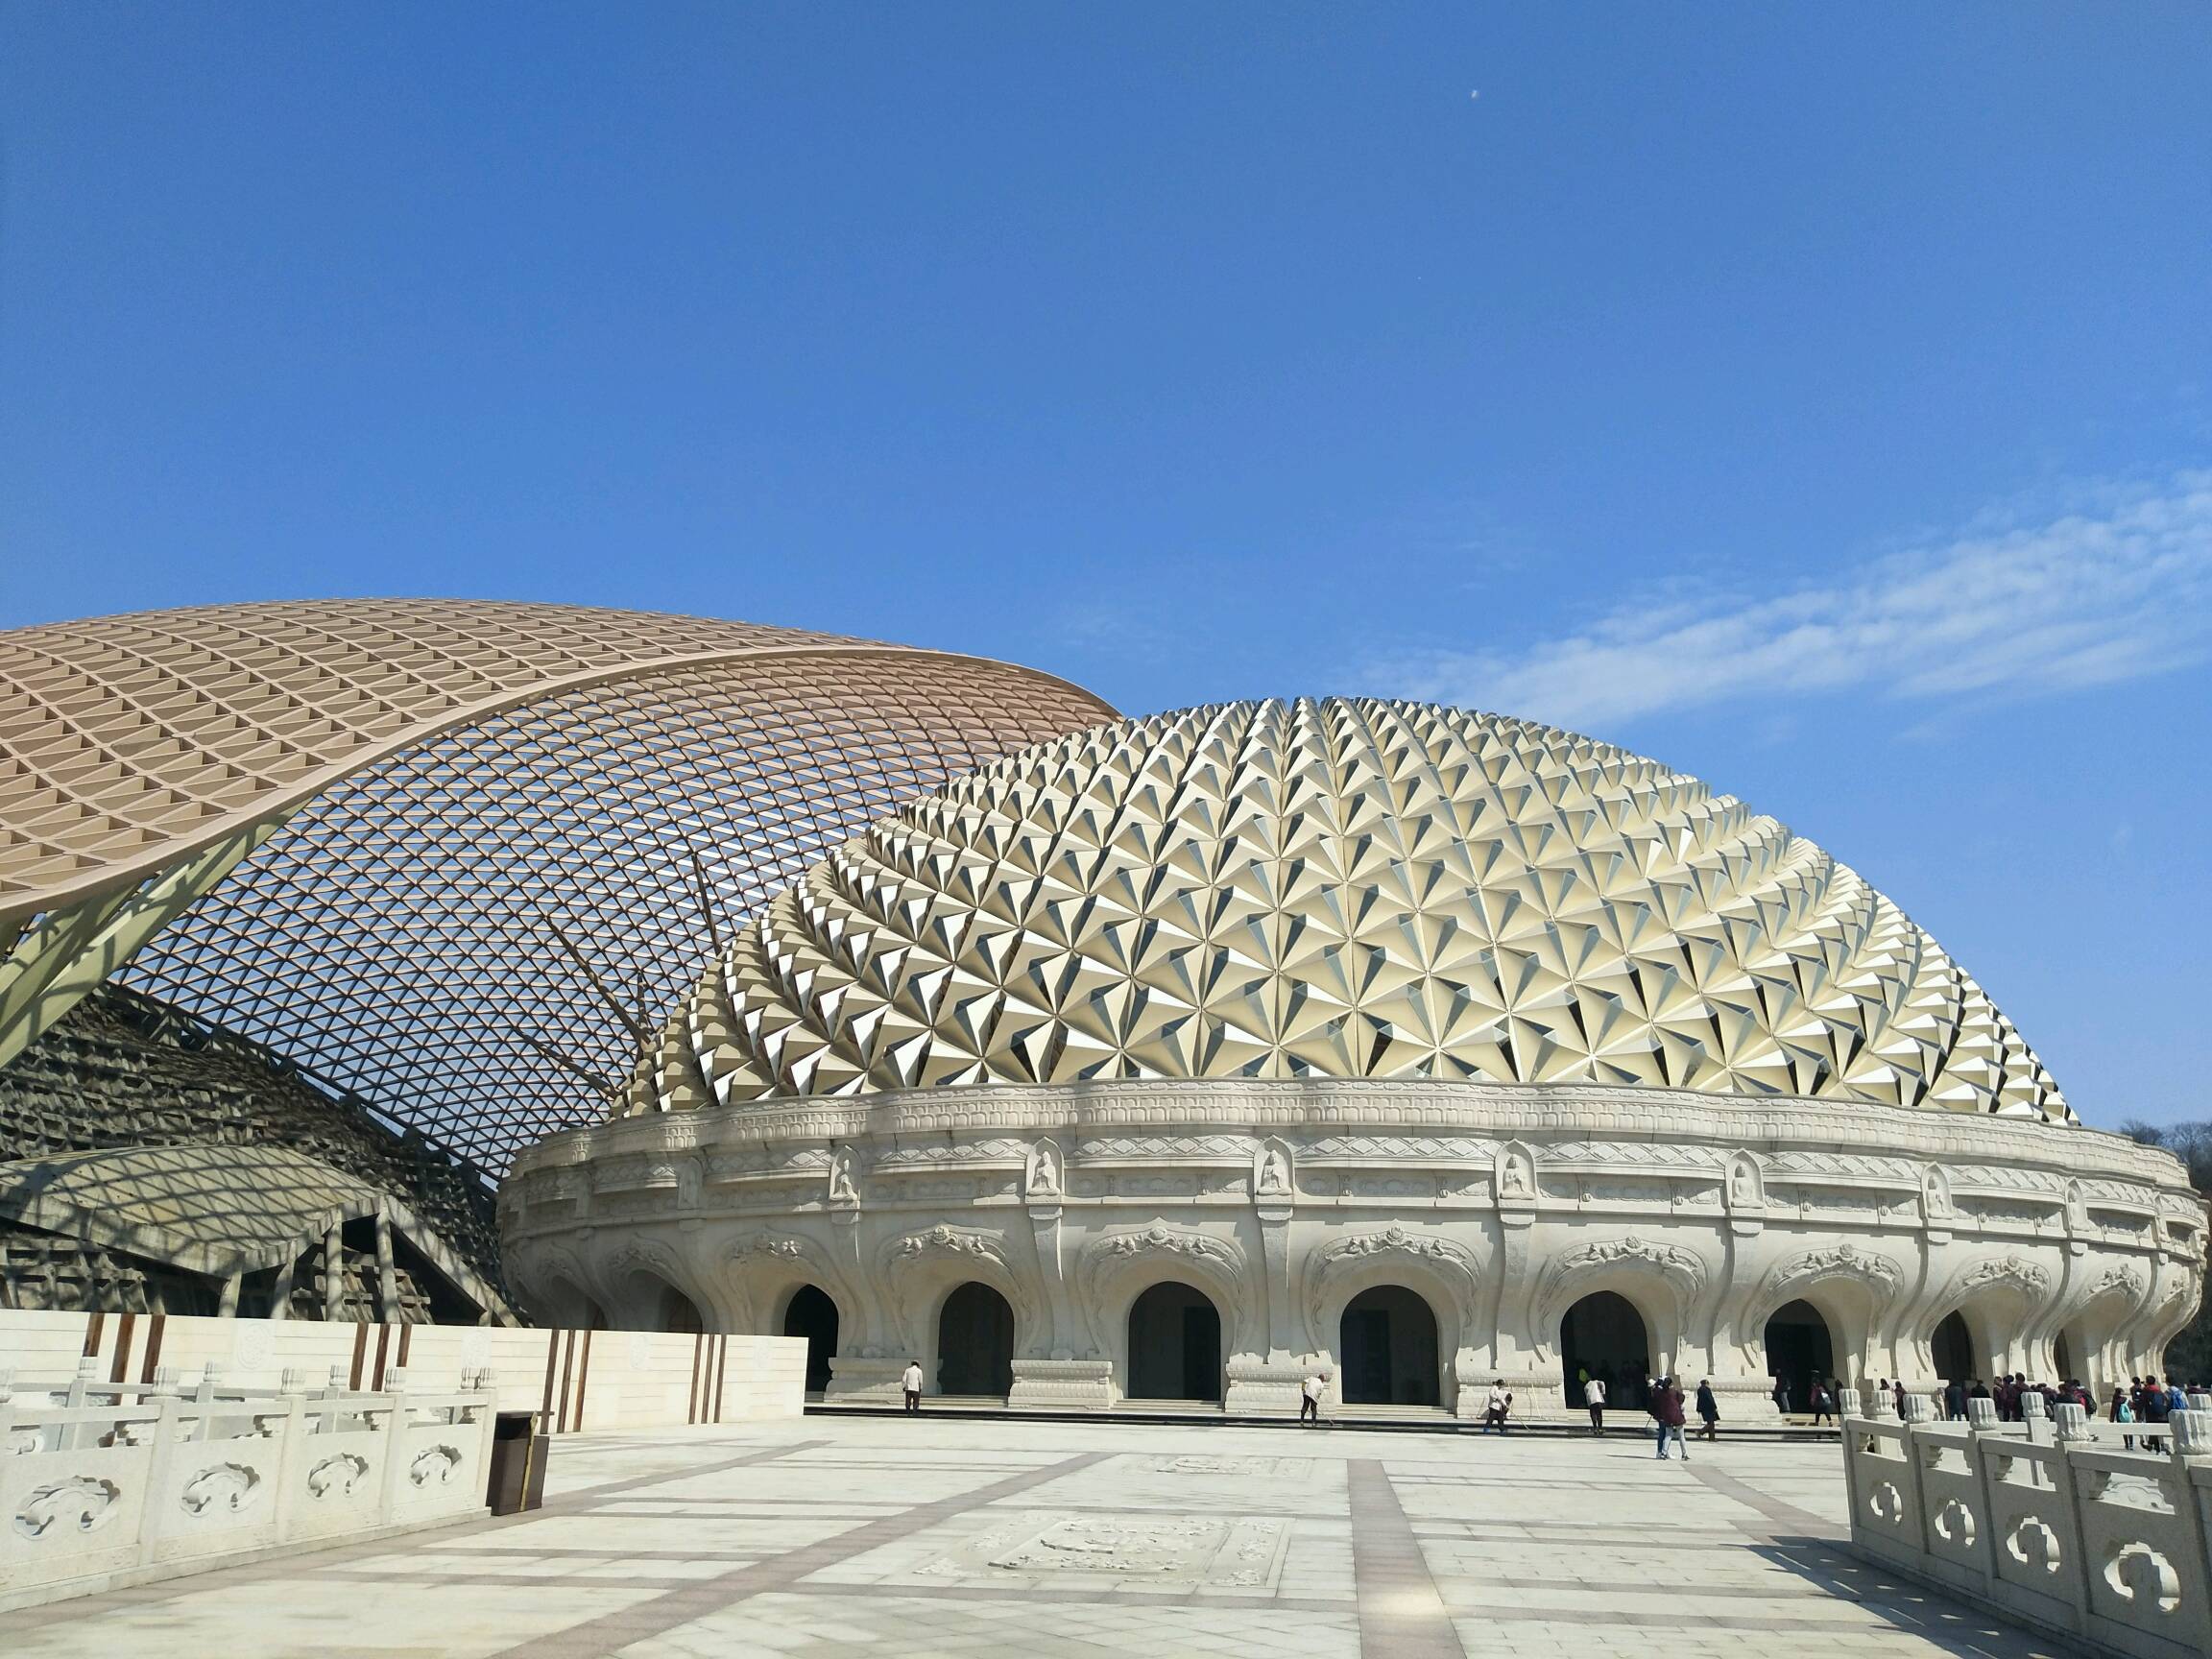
<point>454,858</point>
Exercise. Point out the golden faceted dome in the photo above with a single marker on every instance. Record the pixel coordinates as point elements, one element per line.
<point>1343,889</point>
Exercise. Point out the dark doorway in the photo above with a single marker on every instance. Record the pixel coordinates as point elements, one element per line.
<point>1174,1345</point>
<point>2062,1359</point>
<point>811,1315</point>
<point>1388,1339</point>
<point>1604,1335</point>
<point>1799,1349</point>
<point>677,1312</point>
<point>976,1344</point>
<point>1953,1350</point>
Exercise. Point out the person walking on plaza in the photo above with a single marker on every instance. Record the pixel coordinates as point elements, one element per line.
<point>1499,1409</point>
<point>1667,1408</point>
<point>1708,1408</point>
<point>1955,1401</point>
<point>911,1380</point>
<point>1593,1395</point>
<point>1897,1394</point>
<point>1823,1403</point>
<point>1781,1395</point>
<point>2124,1413</point>
<point>1310,1402</point>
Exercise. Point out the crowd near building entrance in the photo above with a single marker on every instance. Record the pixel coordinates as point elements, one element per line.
<point>976,1344</point>
<point>1603,1336</point>
<point>1387,1349</point>
<point>1174,1345</point>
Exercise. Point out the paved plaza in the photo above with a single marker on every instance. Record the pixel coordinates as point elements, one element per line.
<point>1014,1540</point>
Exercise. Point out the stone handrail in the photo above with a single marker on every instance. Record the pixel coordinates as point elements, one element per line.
<point>2045,1521</point>
<point>142,1484</point>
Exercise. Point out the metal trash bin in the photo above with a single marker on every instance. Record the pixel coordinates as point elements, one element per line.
<point>518,1463</point>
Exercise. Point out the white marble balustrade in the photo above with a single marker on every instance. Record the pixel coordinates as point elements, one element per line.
<point>2049,1522</point>
<point>106,1484</point>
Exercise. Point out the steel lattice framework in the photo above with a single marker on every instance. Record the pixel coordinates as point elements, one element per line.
<point>1343,890</point>
<point>456,857</point>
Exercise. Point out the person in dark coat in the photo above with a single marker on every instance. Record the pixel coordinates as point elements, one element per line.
<point>1708,1407</point>
<point>1667,1408</point>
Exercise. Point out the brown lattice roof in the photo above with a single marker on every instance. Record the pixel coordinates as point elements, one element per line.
<point>514,830</point>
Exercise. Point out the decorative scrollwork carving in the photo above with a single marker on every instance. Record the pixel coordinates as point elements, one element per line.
<point>1878,1274</point>
<point>436,1463</point>
<point>2012,1271</point>
<point>337,1475</point>
<point>1174,1241</point>
<point>227,1488</point>
<point>946,1240</point>
<point>89,1503</point>
<point>1682,1271</point>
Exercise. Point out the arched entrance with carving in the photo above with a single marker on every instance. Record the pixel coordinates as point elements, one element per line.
<point>811,1315</point>
<point>1800,1351</point>
<point>1386,1349</point>
<point>976,1342</point>
<point>1605,1334</point>
<point>1174,1344</point>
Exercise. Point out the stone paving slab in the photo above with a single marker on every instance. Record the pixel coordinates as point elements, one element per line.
<point>828,1538</point>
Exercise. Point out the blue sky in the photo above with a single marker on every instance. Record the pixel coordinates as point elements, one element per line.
<point>1817,398</point>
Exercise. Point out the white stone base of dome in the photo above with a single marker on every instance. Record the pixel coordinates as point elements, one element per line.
<point>1499,1206</point>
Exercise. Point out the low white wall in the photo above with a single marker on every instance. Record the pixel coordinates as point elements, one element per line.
<point>2053,1523</point>
<point>115,1485</point>
<point>576,1380</point>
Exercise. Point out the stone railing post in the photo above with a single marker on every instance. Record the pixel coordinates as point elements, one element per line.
<point>1854,1495</point>
<point>2191,1457</point>
<point>87,1378</point>
<point>293,1451</point>
<point>155,1515</point>
<point>2036,1414</point>
<point>389,1415</point>
<point>2072,1488</point>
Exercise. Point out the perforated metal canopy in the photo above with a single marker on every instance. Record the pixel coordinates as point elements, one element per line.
<point>456,857</point>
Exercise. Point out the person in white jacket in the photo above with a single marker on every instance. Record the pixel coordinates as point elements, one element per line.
<point>1594,1397</point>
<point>911,1380</point>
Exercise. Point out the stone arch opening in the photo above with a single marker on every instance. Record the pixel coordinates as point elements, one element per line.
<point>645,1300</point>
<point>1800,1351</point>
<point>678,1313</point>
<point>1386,1351</point>
<point>1952,1349</point>
<point>811,1315</point>
<point>2063,1359</point>
<point>1174,1344</point>
<point>976,1342</point>
<point>1603,1335</point>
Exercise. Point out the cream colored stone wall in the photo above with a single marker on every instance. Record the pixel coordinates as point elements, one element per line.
<point>576,1380</point>
<point>1500,1204</point>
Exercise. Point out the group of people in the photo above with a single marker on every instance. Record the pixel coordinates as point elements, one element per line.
<point>2149,1401</point>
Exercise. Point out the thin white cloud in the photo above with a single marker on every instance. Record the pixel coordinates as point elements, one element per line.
<point>2114,590</point>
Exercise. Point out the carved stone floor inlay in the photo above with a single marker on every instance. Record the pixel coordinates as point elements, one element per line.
<point>1040,1549</point>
